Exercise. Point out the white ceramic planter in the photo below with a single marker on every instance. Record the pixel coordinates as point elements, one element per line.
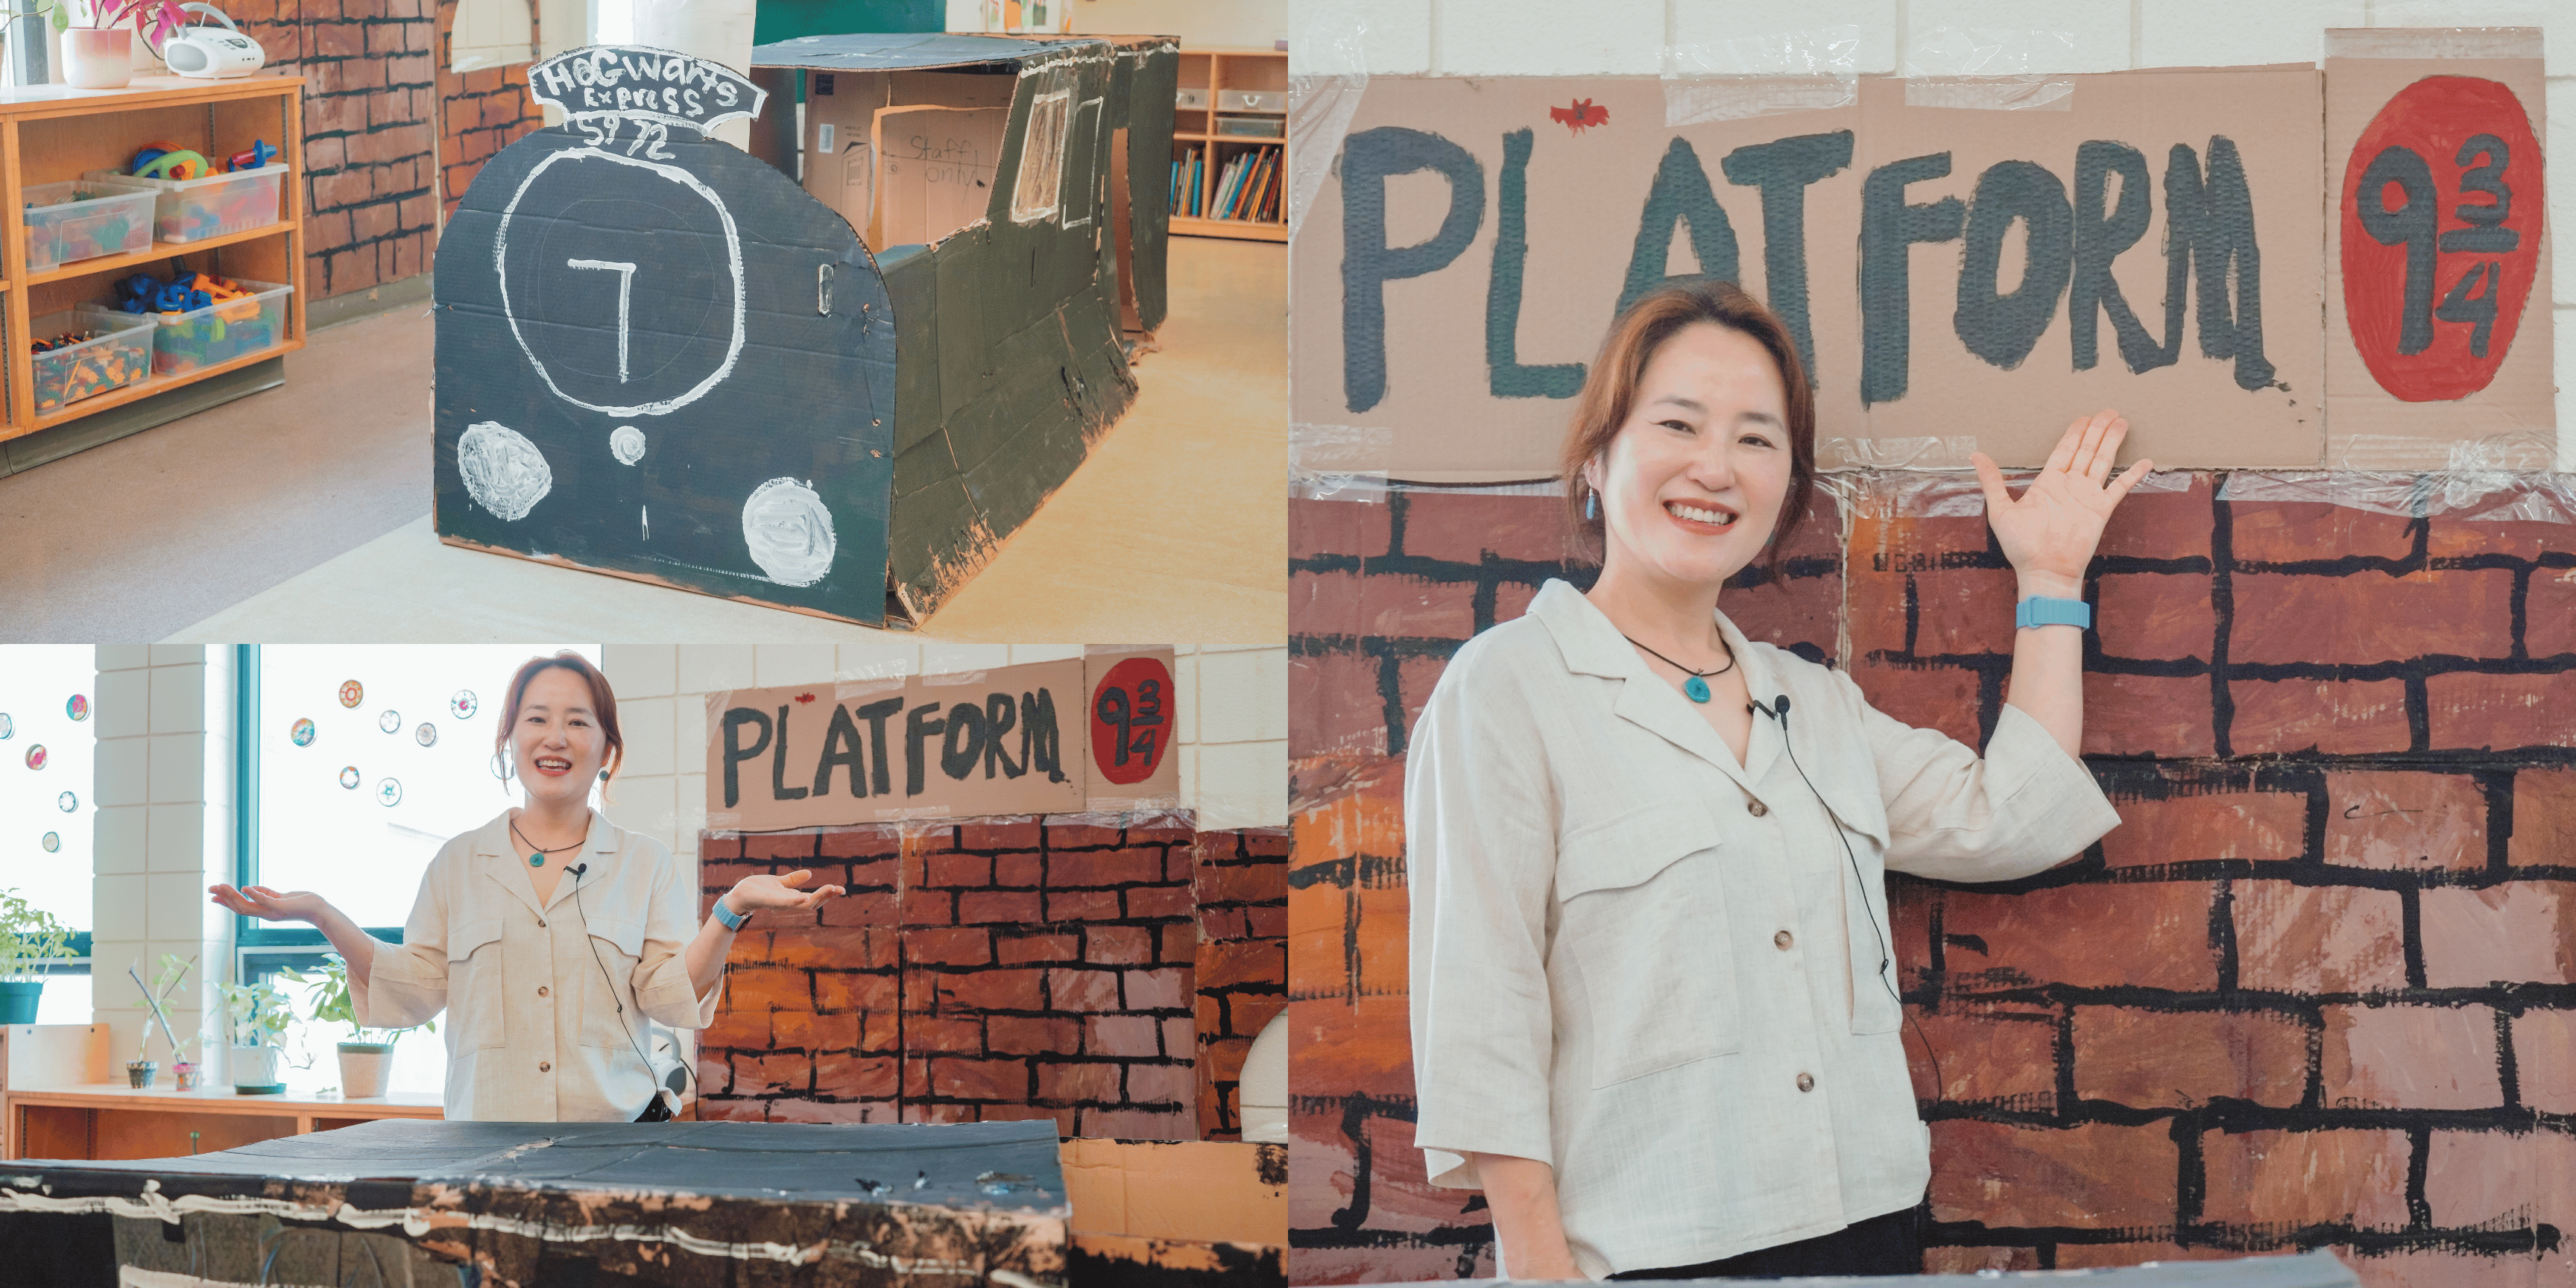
<point>95,58</point>
<point>256,1070</point>
<point>364,1069</point>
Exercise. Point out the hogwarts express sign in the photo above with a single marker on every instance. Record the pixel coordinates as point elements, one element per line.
<point>2167,243</point>
<point>1087,734</point>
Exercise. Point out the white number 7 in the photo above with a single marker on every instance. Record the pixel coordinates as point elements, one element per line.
<point>625,282</point>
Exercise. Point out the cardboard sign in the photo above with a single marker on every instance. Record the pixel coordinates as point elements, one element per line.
<point>658,358</point>
<point>1132,720</point>
<point>2440,332</point>
<point>2156,246</point>
<point>1003,741</point>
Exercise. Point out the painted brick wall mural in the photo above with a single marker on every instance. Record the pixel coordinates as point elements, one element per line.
<point>2318,990</point>
<point>369,145</point>
<point>1107,977</point>
<point>480,111</point>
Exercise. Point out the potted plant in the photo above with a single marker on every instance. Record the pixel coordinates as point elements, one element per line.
<point>367,1058</point>
<point>256,1017</point>
<point>98,37</point>
<point>140,1071</point>
<point>29,938</point>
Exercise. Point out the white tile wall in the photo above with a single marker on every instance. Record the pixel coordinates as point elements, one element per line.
<point>165,828</point>
<point>1376,37</point>
<point>2101,28</point>
<point>1536,38</point>
<point>2219,33</point>
<point>1711,23</point>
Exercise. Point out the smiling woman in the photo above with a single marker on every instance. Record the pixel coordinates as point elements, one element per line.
<point>500,939</point>
<point>1636,968</point>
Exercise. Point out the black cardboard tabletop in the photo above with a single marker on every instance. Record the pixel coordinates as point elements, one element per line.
<point>959,1165</point>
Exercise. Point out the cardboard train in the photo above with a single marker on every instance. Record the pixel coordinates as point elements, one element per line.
<point>665,358</point>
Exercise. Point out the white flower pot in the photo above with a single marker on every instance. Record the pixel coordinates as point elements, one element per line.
<point>256,1070</point>
<point>98,59</point>
<point>364,1069</point>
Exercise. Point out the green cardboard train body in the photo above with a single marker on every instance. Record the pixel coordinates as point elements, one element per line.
<point>662,357</point>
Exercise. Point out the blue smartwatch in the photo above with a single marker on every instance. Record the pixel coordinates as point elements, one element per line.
<point>732,920</point>
<point>2041,610</point>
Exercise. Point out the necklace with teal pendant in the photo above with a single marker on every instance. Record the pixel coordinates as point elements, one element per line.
<point>1696,687</point>
<point>537,857</point>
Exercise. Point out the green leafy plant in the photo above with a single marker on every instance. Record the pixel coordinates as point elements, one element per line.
<point>29,939</point>
<point>332,1003</point>
<point>256,1014</point>
<point>156,20</point>
<point>173,973</point>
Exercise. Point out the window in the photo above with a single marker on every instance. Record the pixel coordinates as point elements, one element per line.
<point>359,763</point>
<point>48,742</point>
<point>1034,192</point>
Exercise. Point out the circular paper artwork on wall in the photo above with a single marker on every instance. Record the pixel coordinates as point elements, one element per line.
<point>389,721</point>
<point>352,693</point>
<point>7,726</point>
<point>67,802</point>
<point>389,793</point>
<point>462,705</point>
<point>349,777</point>
<point>426,735</point>
<point>302,733</point>
<point>36,756</point>
<point>53,841</point>
<point>77,707</point>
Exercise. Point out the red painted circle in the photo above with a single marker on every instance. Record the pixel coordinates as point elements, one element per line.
<point>2434,117</point>
<point>1142,687</point>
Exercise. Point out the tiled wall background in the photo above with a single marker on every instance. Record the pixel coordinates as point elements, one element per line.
<point>1232,741</point>
<point>1108,977</point>
<point>2317,990</point>
<point>1531,38</point>
<point>164,831</point>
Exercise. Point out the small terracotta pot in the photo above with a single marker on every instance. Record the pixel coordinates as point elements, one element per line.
<point>98,58</point>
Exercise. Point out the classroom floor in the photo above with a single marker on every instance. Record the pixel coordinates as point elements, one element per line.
<point>302,513</point>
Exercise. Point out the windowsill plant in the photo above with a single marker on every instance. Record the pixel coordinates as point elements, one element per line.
<point>366,1059</point>
<point>30,939</point>
<point>256,1017</point>
<point>139,1072</point>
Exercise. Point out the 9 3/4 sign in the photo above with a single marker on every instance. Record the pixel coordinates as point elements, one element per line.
<point>2441,215</point>
<point>1132,720</point>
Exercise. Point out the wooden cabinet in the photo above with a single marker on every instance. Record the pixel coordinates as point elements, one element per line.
<point>1230,102</point>
<point>52,133</point>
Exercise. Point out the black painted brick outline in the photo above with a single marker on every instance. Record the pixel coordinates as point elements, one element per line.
<point>2131,777</point>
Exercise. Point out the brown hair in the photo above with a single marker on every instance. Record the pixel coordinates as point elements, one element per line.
<point>1611,390</point>
<point>603,702</point>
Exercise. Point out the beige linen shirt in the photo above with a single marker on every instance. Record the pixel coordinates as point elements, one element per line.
<point>533,1031</point>
<point>1643,963</point>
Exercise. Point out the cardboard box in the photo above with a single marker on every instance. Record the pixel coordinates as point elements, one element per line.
<point>661,358</point>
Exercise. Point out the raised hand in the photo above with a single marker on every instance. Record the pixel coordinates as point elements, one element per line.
<point>270,905</point>
<point>765,891</point>
<point>2050,530</point>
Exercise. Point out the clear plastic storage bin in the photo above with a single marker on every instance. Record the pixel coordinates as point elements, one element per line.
<point>220,332</point>
<point>187,210</point>
<point>120,355</point>
<point>84,219</point>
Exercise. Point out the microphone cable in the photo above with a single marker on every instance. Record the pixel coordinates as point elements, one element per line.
<point>664,1095</point>
<point>1779,711</point>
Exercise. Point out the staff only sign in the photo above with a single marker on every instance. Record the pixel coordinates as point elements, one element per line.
<point>1956,277</point>
<point>1082,734</point>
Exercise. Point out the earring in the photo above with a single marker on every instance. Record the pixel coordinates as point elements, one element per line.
<point>1591,505</point>
<point>603,775</point>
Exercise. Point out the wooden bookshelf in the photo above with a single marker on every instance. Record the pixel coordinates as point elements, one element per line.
<point>51,133</point>
<point>1214,75</point>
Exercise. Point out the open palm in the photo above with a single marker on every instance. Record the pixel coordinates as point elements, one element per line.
<point>267,904</point>
<point>761,890</point>
<point>2051,528</point>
